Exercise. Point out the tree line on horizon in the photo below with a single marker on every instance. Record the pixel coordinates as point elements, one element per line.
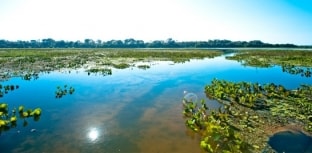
<point>132,43</point>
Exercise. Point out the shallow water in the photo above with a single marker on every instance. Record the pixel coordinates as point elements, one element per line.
<point>132,110</point>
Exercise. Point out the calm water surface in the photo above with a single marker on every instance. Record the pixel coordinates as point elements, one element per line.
<point>133,110</point>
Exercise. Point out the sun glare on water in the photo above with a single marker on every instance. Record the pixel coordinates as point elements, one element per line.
<point>93,134</point>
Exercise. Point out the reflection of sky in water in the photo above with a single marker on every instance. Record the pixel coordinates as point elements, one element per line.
<point>128,111</point>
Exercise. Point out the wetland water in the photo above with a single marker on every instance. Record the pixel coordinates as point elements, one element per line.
<point>132,110</point>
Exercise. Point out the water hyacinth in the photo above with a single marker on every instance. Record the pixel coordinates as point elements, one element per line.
<point>13,119</point>
<point>102,71</point>
<point>9,120</point>
<point>247,109</point>
<point>217,135</point>
<point>20,108</point>
<point>37,112</point>
<point>60,92</point>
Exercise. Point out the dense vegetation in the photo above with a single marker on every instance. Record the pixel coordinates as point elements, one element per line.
<point>29,62</point>
<point>132,43</point>
<point>248,110</point>
<point>252,109</point>
<point>297,62</point>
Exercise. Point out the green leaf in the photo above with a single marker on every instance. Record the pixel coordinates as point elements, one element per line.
<point>20,108</point>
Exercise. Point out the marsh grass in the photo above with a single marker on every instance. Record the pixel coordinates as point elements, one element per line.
<point>274,57</point>
<point>102,71</point>
<point>144,67</point>
<point>19,61</point>
<point>297,62</point>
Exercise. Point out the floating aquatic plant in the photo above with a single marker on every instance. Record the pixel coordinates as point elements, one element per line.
<point>60,92</point>
<point>4,89</point>
<point>297,70</point>
<point>102,71</point>
<point>121,65</point>
<point>30,76</point>
<point>216,134</point>
<point>247,109</point>
<point>32,60</point>
<point>144,67</point>
<point>8,119</point>
<point>294,104</point>
<point>297,62</point>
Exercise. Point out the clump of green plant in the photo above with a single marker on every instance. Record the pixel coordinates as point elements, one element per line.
<point>60,92</point>
<point>296,70</point>
<point>283,104</point>
<point>4,89</point>
<point>291,61</point>
<point>8,119</point>
<point>180,60</point>
<point>144,67</point>
<point>121,65</point>
<point>248,109</point>
<point>102,71</point>
<point>287,105</point>
<point>29,76</point>
<point>39,60</point>
<point>171,54</point>
<point>216,134</point>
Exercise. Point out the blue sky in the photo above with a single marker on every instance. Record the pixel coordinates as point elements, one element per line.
<point>272,21</point>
